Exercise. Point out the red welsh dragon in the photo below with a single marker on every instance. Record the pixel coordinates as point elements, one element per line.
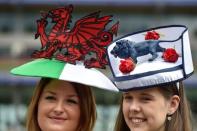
<point>87,37</point>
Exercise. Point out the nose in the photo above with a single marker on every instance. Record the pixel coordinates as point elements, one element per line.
<point>135,107</point>
<point>59,108</point>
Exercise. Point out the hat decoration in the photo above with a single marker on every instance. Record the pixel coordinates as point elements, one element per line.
<point>75,55</point>
<point>151,57</point>
<point>170,55</point>
<point>143,59</point>
<point>152,35</point>
<point>87,36</point>
<point>128,65</point>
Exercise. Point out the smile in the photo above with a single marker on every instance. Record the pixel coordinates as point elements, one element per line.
<point>58,119</point>
<point>137,120</point>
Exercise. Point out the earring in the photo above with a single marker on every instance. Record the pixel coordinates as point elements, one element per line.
<point>169,117</point>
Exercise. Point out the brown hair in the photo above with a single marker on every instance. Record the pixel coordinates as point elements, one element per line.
<point>87,106</point>
<point>181,119</point>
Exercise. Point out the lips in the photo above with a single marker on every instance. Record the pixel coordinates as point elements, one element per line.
<point>58,119</point>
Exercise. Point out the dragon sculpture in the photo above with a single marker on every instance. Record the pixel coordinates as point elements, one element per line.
<point>88,36</point>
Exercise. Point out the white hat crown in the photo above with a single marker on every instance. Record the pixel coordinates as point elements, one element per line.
<point>151,57</point>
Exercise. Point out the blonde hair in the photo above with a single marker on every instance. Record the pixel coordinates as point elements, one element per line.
<point>87,106</point>
<point>181,119</point>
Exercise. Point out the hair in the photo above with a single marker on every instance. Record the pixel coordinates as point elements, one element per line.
<point>87,106</point>
<point>181,119</point>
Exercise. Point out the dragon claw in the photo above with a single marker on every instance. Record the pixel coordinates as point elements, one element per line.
<point>93,63</point>
<point>61,57</point>
<point>35,54</point>
<point>40,54</point>
<point>44,15</point>
<point>42,22</point>
<point>37,35</point>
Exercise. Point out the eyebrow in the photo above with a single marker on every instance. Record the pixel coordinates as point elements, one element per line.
<point>70,95</point>
<point>50,92</point>
<point>73,95</point>
<point>147,94</point>
<point>125,93</point>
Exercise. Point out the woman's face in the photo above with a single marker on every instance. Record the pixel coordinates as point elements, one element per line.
<point>59,107</point>
<point>146,110</point>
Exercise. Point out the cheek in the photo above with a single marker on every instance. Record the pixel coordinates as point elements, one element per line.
<point>163,107</point>
<point>125,109</point>
<point>43,109</point>
<point>76,113</point>
<point>43,106</point>
<point>40,111</point>
<point>40,116</point>
<point>159,113</point>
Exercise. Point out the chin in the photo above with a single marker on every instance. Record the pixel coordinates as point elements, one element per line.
<point>138,128</point>
<point>54,128</point>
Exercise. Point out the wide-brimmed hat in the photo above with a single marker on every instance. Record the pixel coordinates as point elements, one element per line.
<point>75,55</point>
<point>64,71</point>
<point>151,57</point>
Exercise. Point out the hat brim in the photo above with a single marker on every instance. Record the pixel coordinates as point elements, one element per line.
<point>65,71</point>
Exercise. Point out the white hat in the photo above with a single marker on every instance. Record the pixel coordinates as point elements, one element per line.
<point>72,55</point>
<point>151,57</point>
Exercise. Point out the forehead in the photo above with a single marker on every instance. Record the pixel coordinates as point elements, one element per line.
<point>60,87</point>
<point>150,91</point>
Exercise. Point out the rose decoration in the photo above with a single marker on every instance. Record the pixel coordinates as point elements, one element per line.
<point>126,66</point>
<point>152,35</point>
<point>170,55</point>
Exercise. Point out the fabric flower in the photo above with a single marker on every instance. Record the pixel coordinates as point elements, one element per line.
<point>170,55</point>
<point>126,66</point>
<point>152,35</point>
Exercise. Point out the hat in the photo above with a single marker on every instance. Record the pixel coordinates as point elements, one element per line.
<point>151,57</point>
<point>75,55</point>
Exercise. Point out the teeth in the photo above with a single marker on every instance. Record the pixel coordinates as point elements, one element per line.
<point>136,120</point>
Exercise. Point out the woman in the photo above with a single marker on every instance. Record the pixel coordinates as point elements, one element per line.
<point>51,102</point>
<point>148,67</point>
<point>60,105</point>
<point>163,108</point>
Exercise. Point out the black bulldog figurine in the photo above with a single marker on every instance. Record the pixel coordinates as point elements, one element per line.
<point>128,49</point>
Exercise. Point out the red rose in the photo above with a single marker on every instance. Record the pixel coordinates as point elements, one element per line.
<point>170,55</point>
<point>152,35</point>
<point>126,66</point>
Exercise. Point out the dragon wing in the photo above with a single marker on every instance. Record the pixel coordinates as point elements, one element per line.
<point>87,28</point>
